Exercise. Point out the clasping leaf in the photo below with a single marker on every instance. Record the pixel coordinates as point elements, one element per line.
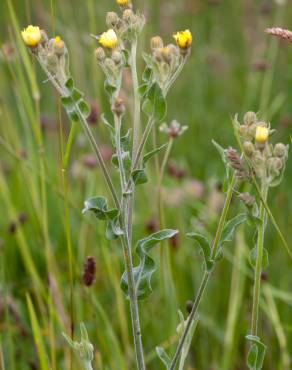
<point>146,267</point>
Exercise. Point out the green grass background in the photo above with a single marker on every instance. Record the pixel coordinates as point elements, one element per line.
<point>223,76</point>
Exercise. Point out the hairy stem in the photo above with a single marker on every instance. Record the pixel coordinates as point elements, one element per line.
<point>258,267</point>
<point>205,277</point>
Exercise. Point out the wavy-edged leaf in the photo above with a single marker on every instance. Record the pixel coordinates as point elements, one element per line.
<point>146,267</point>
<point>163,357</point>
<point>139,177</point>
<point>205,248</point>
<point>256,354</point>
<point>155,104</point>
<point>99,206</point>
<point>230,226</point>
<point>253,257</point>
<point>151,154</point>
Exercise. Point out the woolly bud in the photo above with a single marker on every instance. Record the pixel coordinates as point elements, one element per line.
<point>156,42</point>
<point>280,150</point>
<point>100,54</point>
<point>112,19</point>
<point>248,148</point>
<point>249,118</point>
<point>117,57</point>
<point>118,106</point>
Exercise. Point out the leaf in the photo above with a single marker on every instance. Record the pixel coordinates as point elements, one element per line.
<point>256,355</point>
<point>146,76</point>
<point>99,206</point>
<point>155,103</point>
<point>221,151</point>
<point>205,248</point>
<point>109,88</point>
<point>163,357</point>
<point>139,177</point>
<point>230,226</point>
<point>145,269</point>
<point>84,108</point>
<point>151,154</point>
<point>253,257</point>
<point>107,124</point>
<point>69,84</point>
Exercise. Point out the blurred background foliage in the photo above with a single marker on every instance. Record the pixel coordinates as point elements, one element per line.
<point>234,67</point>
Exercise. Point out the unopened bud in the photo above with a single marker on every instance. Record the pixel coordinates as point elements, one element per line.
<point>118,106</point>
<point>156,42</point>
<point>112,19</point>
<point>249,118</point>
<point>59,46</point>
<point>100,54</point>
<point>280,150</point>
<point>248,148</point>
<point>117,57</point>
<point>128,15</point>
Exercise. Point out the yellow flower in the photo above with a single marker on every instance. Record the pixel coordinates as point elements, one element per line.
<point>262,134</point>
<point>183,39</point>
<point>123,2</point>
<point>31,35</point>
<point>58,40</point>
<point>109,39</point>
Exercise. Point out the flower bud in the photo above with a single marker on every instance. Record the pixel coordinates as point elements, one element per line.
<point>118,106</point>
<point>59,46</point>
<point>249,118</point>
<point>112,19</point>
<point>262,134</point>
<point>109,64</point>
<point>100,54</point>
<point>251,130</point>
<point>280,150</point>
<point>156,42</point>
<point>248,148</point>
<point>117,57</point>
<point>274,165</point>
<point>128,15</point>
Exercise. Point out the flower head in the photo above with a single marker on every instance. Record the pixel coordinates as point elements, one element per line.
<point>31,35</point>
<point>109,39</point>
<point>183,39</point>
<point>123,2</point>
<point>262,134</point>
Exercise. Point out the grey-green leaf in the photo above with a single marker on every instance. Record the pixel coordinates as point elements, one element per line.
<point>155,103</point>
<point>139,177</point>
<point>163,357</point>
<point>143,272</point>
<point>205,248</point>
<point>151,154</point>
<point>256,355</point>
<point>99,206</point>
<point>253,257</point>
<point>230,226</point>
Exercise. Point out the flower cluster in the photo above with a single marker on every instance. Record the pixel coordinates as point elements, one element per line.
<point>50,52</point>
<point>268,161</point>
<point>167,60</point>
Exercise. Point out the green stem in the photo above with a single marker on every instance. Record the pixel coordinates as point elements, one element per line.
<point>88,133</point>
<point>133,305</point>
<point>205,277</point>
<point>258,267</point>
<point>159,185</point>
